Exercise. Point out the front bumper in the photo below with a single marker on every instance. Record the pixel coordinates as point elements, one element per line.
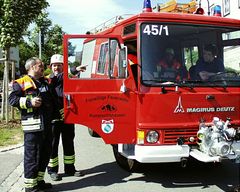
<point>157,154</point>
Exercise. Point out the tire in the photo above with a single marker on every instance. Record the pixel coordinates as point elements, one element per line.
<point>92,133</point>
<point>129,165</point>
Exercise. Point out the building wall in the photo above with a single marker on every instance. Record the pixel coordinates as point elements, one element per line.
<point>229,8</point>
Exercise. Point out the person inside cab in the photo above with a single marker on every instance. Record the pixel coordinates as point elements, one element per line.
<point>132,54</point>
<point>209,64</point>
<point>132,59</point>
<point>169,68</point>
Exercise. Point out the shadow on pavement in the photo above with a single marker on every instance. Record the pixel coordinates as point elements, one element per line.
<point>196,174</point>
<point>170,176</point>
<point>102,175</point>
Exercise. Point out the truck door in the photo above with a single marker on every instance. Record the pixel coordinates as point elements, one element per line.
<point>98,92</point>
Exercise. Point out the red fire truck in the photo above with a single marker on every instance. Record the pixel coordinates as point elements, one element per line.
<point>151,113</point>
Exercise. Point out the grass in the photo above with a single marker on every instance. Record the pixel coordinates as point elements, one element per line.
<point>10,133</point>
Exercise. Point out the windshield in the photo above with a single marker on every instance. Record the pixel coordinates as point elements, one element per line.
<point>189,55</point>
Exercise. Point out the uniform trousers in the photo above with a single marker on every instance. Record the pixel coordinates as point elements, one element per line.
<point>37,151</point>
<point>67,133</point>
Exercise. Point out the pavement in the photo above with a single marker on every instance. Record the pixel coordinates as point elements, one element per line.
<point>102,174</point>
<point>11,166</point>
<point>12,175</point>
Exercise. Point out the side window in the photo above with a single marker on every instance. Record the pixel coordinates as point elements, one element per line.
<point>102,58</point>
<point>231,51</point>
<point>113,50</point>
<point>122,64</point>
<point>80,58</point>
<point>231,58</point>
<point>90,58</point>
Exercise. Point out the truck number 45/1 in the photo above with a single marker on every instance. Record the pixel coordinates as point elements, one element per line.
<point>156,30</point>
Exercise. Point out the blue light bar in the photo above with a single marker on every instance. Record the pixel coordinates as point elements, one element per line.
<point>217,11</point>
<point>147,6</point>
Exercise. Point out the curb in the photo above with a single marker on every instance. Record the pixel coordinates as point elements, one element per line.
<point>11,147</point>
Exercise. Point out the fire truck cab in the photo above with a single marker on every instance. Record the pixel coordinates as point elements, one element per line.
<point>153,112</point>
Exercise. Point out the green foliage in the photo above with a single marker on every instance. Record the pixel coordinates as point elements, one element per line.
<point>229,69</point>
<point>10,133</point>
<point>47,72</point>
<point>53,36</point>
<point>43,22</point>
<point>25,52</point>
<point>1,9</point>
<point>1,70</point>
<point>15,16</point>
<point>71,49</point>
<point>53,42</point>
<point>191,58</point>
<point>74,64</point>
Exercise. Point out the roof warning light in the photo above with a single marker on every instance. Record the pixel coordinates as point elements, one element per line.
<point>217,11</point>
<point>199,11</point>
<point>147,6</point>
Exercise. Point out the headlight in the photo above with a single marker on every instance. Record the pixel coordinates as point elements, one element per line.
<point>152,137</point>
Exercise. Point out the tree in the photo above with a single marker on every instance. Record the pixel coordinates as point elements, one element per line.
<point>53,42</point>
<point>53,37</point>
<point>15,17</point>
<point>71,49</point>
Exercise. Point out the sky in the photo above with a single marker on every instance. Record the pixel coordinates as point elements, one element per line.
<point>80,16</point>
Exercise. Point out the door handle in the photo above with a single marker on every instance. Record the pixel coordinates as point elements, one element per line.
<point>210,97</point>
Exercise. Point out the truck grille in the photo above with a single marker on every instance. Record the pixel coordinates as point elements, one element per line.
<point>170,136</point>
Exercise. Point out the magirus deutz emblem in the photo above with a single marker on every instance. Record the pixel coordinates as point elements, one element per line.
<point>179,108</point>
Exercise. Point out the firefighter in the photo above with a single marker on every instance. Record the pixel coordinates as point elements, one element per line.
<point>209,64</point>
<point>31,95</point>
<point>170,69</point>
<point>66,131</point>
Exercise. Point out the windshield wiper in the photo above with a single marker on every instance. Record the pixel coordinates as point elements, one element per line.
<point>168,83</point>
<point>161,82</point>
<point>187,83</point>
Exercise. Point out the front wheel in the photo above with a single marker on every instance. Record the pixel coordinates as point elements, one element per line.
<point>125,163</point>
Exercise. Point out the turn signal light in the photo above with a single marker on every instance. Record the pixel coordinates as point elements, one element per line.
<point>140,137</point>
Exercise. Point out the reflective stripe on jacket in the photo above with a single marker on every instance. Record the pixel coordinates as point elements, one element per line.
<point>24,89</point>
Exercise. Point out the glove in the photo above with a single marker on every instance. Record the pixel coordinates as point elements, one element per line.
<point>61,111</point>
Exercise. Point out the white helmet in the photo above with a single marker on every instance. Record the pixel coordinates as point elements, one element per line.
<point>57,58</point>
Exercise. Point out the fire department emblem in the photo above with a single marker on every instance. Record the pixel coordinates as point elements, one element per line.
<point>179,108</point>
<point>107,126</point>
<point>108,107</point>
